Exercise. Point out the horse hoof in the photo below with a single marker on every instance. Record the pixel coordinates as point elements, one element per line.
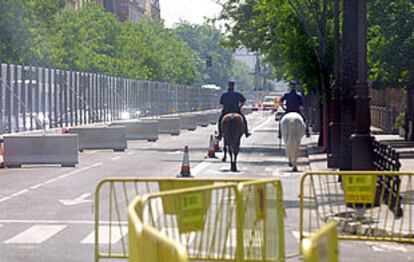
<point>290,164</point>
<point>223,160</point>
<point>295,169</point>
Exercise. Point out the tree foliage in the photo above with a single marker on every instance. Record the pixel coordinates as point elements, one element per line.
<point>39,32</point>
<point>243,76</point>
<point>391,44</point>
<point>296,43</point>
<point>206,41</point>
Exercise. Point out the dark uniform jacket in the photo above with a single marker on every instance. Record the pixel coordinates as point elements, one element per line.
<point>231,101</point>
<point>293,101</point>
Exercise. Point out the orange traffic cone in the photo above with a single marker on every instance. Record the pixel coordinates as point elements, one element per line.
<point>216,144</point>
<point>211,151</point>
<point>185,167</point>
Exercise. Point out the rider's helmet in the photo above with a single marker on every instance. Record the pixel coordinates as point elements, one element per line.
<point>231,84</point>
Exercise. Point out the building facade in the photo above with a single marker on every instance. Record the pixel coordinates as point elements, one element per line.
<point>132,10</point>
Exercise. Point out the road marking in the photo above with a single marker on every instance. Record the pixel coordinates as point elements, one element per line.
<point>116,158</point>
<point>65,175</point>
<point>75,222</point>
<point>115,232</point>
<point>35,234</point>
<point>82,199</point>
<point>23,191</point>
<point>296,234</point>
<point>278,174</point>
<point>130,153</point>
<point>175,152</point>
<point>387,247</point>
<point>262,124</point>
<point>200,167</point>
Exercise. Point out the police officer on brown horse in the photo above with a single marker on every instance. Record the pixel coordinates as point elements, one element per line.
<point>232,102</point>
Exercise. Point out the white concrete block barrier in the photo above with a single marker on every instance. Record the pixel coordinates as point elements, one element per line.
<point>145,129</point>
<point>203,119</point>
<point>188,122</point>
<point>113,137</point>
<point>213,117</point>
<point>38,149</point>
<point>169,125</point>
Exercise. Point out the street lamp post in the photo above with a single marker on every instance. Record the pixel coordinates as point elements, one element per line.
<point>362,153</point>
<point>334,156</point>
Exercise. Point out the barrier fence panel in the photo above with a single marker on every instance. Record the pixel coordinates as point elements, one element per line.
<point>370,205</point>
<point>322,246</point>
<point>228,222</point>
<point>112,197</point>
<point>35,98</point>
<point>150,244</point>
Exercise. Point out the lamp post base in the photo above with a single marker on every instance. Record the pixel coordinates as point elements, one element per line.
<point>362,152</point>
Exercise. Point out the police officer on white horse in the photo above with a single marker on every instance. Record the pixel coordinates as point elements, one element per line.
<point>294,103</point>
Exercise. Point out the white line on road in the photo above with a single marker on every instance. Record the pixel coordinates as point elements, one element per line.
<point>130,153</point>
<point>116,158</point>
<point>23,191</point>
<point>78,222</point>
<point>116,234</point>
<point>35,235</point>
<point>262,124</point>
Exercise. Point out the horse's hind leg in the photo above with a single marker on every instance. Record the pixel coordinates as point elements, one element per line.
<point>224,159</point>
<point>234,166</point>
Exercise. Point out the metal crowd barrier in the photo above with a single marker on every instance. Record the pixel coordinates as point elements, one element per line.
<point>322,246</point>
<point>369,206</point>
<point>227,222</point>
<point>112,198</point>
<point>150,242</point>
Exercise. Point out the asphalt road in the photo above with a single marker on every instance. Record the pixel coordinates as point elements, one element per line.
<point>47,212</point>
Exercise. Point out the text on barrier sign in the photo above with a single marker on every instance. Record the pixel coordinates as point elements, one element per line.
<point>360,189</point>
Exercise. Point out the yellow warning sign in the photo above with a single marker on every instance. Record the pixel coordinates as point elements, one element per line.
<point>192,212</point>
<point>360,189</point>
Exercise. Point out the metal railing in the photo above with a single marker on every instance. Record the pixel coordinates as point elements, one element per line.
<point>112,197</point>
<point>228,222</point>
<point>37,97</point>
<point>385,157</point>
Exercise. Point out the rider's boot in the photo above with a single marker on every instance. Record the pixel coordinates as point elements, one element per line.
<point>279,134</point>
<point>246,131</point>
<point>307,131</point>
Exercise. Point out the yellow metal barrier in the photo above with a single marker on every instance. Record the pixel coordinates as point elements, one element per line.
<point>148,244</point>
<point>112,198</point>
<point>370,206</point>
<point>228,222</point>
<point>322,246</point>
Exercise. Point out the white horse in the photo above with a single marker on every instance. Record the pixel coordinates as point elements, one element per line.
<point>293,130</point>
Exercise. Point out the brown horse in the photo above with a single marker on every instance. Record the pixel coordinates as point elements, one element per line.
<point>233,129</point>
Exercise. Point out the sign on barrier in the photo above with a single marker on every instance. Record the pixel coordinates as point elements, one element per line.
<point>321,246</point>
<point>360,189</point>
<point>112,197</point>
<point>370,205</point>
<point>238,222</point>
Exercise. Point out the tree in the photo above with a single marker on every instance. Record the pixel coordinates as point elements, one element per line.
<point>243,76</point>
<point>293,34</point>
<point>205,40</point>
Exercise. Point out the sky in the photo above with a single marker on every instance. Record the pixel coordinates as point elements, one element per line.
<point>192,11</point>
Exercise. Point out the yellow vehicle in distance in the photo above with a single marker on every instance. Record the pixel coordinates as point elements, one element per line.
<point>271,102</point>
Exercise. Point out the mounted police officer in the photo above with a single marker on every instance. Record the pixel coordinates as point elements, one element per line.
<point>232,102</point>
<point>294,103</point>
